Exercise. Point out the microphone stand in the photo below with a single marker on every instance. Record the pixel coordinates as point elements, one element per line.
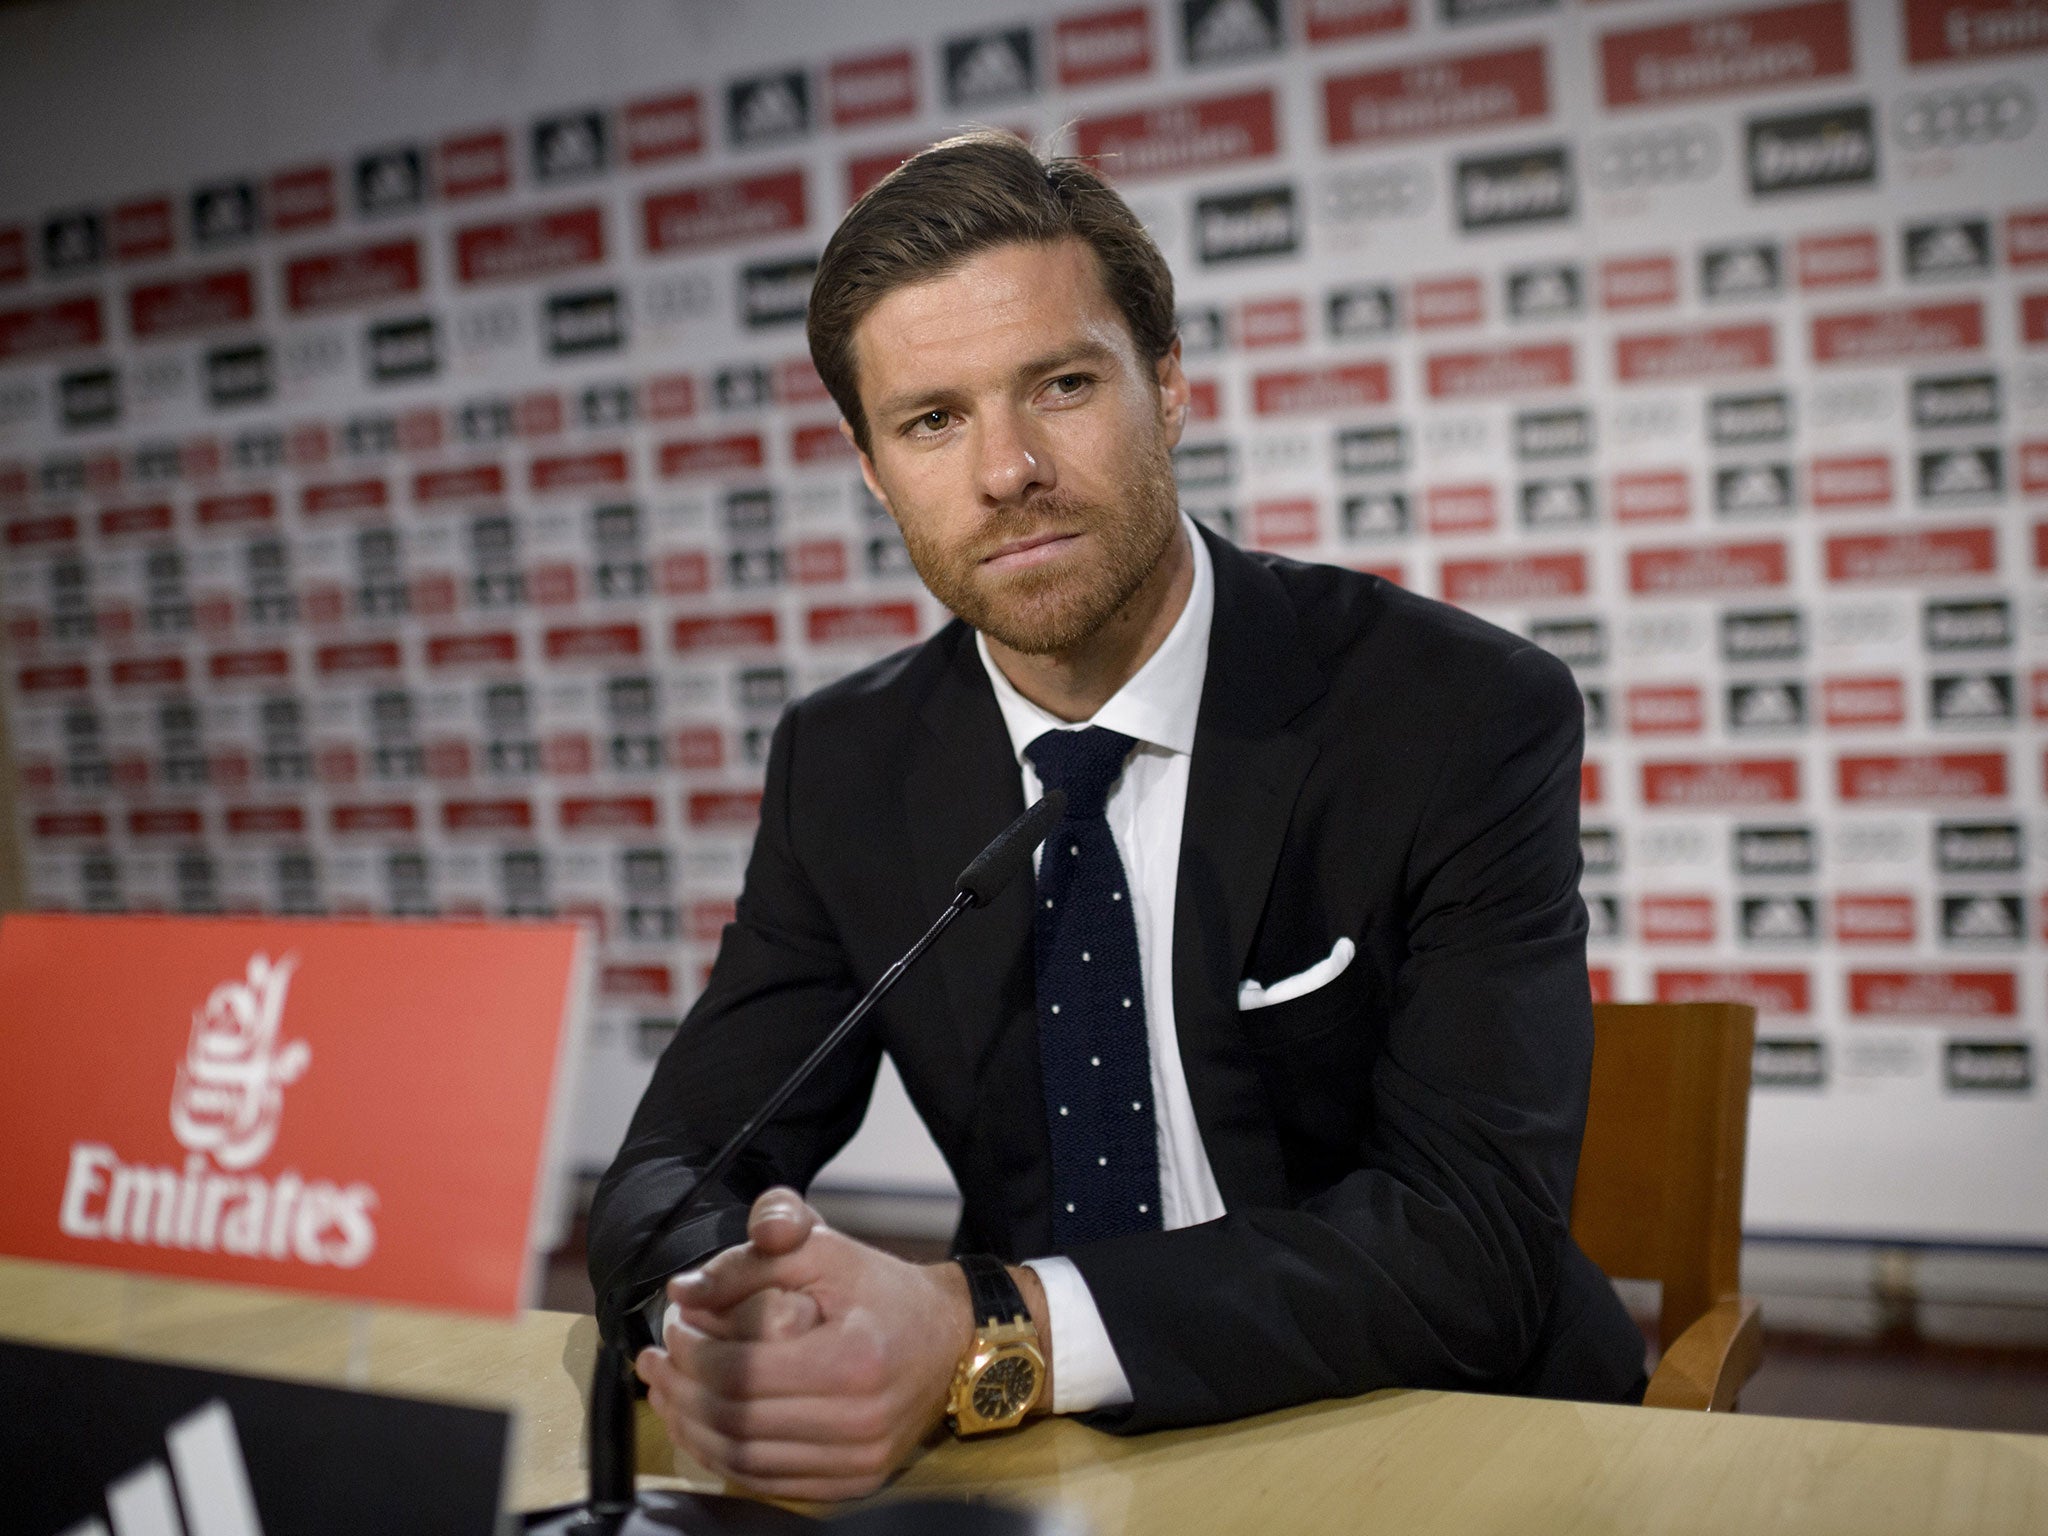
<point>613,1507</point>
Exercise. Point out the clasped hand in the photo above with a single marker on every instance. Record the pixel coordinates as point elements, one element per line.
<point>806,1365</point>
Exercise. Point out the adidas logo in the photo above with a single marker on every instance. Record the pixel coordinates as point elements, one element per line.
<point>1766,706</point>
<point>1539,292</point>
<point>768,109</point>
<point>1780,919</point>
<point>1952,248</point>
<point>1230,29</point>
<point>1741,271</point>
<point>1960,474</point>
<point>207,1478</point>
<point>1753,488</point>
<point>1376,515</point>
<point>568,146</point>
<point>1982,919</point>
<point>1972,698</point>
<point>1357,313</point>
<point>1557,503</point>
<point>388,181</point>
<point>992,67</point>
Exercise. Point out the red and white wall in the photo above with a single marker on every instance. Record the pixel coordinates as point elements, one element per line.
<point>416,495</point>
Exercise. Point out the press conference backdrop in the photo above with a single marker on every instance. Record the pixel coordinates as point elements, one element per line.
<point>417,497</point>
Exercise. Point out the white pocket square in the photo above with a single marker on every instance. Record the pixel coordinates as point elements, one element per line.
<point>1251,995</point>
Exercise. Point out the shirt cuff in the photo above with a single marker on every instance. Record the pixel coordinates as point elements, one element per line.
<point>660,1313</point>
<point>1085,1370</point>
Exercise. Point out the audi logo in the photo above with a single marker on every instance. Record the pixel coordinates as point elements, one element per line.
<point>1950,119</point>
<point>1392,192</point>
<point>1628,161</point>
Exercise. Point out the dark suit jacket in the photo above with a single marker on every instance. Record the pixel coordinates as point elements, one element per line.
<point>1396,1149</point>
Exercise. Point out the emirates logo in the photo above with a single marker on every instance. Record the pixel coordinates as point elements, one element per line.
<point>229,1092</point>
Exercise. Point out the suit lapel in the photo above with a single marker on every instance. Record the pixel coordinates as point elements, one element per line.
<point>1246,772</point>
<point>960,791</point>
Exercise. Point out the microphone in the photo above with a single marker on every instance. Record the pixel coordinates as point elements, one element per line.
<point>609,1429</point>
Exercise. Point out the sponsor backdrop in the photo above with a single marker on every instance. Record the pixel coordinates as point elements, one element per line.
<point>417,499</point>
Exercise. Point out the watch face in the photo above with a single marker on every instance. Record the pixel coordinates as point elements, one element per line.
<point>1003,1390</point>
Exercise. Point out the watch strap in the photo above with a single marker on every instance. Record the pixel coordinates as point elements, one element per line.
<point>992,1292</point>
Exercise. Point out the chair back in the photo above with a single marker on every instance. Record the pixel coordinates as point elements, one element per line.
<point>1659,1193</point>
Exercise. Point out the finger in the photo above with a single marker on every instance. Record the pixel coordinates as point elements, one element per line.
<point>769,1314</point>
<point>780,1221</point>
<point>825,1362</point>
<point>814,1420</point>
<point>728,1278</point>
<point>751,1461</point>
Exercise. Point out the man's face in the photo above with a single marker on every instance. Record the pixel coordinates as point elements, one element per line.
<point>1020,442</point>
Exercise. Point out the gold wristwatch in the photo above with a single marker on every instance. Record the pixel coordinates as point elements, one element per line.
<point>1002,1375</point>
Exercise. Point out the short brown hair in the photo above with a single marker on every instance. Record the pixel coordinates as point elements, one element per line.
<point>951,202</point>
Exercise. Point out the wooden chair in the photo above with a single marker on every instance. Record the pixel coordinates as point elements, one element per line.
<point>1659,1193</point>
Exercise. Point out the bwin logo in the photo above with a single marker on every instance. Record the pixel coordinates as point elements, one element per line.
<point>72,241</point>
<point>1600,848</point>
<point>1979,847</point>
<point>777,292</point>
<point>1961,400</point>
<point>1969,625</point>
<point>1971,698</point>
<point>1526,187</point>
<point>1807,151</point>
<point>1948,248</point>
<point>1553,434</point>
<point>1998,919</point>
<point>1199,465</point>
<point>1739,271</point>
<point>1245,225</point>
<point>989,67</point>
<point>207,1479</point>
<point>1763,635</point>
<point>1774,850</point>
<point>1575,642</point>
<point>1739,420</point>
<point>768,109</point>
<point>1371,450</point>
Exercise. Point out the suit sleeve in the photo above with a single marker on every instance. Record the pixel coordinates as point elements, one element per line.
<point>1433,1263</point>
<point>780,982</point>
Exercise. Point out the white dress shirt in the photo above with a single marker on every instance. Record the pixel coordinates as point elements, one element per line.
<point>1157,707</point>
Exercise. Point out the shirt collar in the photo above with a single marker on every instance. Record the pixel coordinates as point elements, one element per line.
<point>1158,705</point>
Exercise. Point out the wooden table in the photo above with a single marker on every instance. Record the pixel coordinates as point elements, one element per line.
<point>1399,1462</point>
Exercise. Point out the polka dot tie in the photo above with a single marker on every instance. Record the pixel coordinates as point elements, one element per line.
<point>1092,1048</point>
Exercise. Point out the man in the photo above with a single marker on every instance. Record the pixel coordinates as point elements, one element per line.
<point>1270,1085</point>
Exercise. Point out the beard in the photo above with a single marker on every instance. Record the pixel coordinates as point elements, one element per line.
<point>1045,610</point>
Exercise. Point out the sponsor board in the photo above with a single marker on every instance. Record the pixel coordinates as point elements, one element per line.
<point>1433,97</point>
<point>231,1114</point>
<point>1817,150</point>
<point>1951,31</point>
<point>1665,357</point>
<point>1933,995</point>
<point>1788,1062</point>
<point>1895,558</point>
<point>1097,46</point>
<point>514,250</point>
<point>1725,53</point>
<point>1689,569</point>
<point>1246,226</point>
<point>1920,777</point>
<point>1771,993</point>
<point>1728,781</point>
<point>1515,189</point>
<point>1176,138</point>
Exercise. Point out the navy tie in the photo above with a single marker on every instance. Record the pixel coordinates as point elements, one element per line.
<point>1092,1049</point>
